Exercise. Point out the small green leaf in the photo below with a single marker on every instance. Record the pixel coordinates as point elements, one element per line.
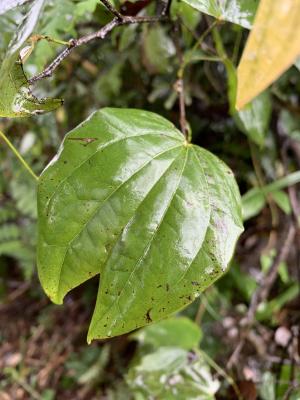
<point>253,202</point>
<point>178,332</point>
<point>189,15</point>
<point>268,386</point>
<point>158,48</point>
<point>255,199</point>
<point>239,12</point>
<point>128,198</point>
<point>172,373</point>
<point>16,97</point>
<point>283,201</point>
<point>84,7</point>
<point>254,118</point>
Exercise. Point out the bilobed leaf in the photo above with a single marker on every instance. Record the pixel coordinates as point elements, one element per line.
<point>16,98</point>
<point>129,199</point>
<point>239,12</point>
<point>272,47</point>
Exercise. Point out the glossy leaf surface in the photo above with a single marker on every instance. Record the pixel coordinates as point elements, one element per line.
<point>240,12</point>
<point>128,198</point>
<point>16,98</point>
<point>272,47</point>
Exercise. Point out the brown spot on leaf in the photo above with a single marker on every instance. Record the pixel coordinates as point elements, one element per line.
<point>147,316</point>
<point>86,141</point>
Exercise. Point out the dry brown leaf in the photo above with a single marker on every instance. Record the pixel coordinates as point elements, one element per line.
<point>272,47</point>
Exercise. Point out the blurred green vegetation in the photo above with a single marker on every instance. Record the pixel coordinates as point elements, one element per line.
<point>184,357</point>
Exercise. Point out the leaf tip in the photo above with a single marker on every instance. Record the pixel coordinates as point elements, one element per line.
<point>54,297</point>
<point>241,101</point>
<point>89,340</point>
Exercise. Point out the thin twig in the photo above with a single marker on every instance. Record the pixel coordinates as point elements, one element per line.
<point>272,205</point>
<point>166,10</point>
<point>292,192</point>
<point>263,291</point>
<point>288,238</point>
<point>221,372</point>
<point>179,87</point>
<point>179,84</point>
<point>294,201</point>
<point>16,377</point>
<point>100,34</point>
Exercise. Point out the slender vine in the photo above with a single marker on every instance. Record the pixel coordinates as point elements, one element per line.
<point>18,155</point>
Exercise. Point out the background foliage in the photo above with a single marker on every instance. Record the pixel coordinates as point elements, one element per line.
<point>43,353</point>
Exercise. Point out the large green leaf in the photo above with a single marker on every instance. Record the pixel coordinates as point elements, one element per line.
<point>240,12</point>
<point>272,47</point>
<point>128,198</point>
<point>16,98</point>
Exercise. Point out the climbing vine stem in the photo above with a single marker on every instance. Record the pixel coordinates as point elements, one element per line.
<point>18,155</point>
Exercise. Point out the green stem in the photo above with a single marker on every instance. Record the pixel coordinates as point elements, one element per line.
<point>236,47</point>
<point>15,377</point>
<point>18,155</point>
<point>219,44</point>
<point>195,47</point>
<point>223,373</point>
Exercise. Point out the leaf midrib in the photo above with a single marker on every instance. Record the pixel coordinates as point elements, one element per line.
<point>68,245</point>
<point>148,245</point>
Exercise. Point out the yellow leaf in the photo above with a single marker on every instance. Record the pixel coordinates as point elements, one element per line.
<point>272,47</point>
